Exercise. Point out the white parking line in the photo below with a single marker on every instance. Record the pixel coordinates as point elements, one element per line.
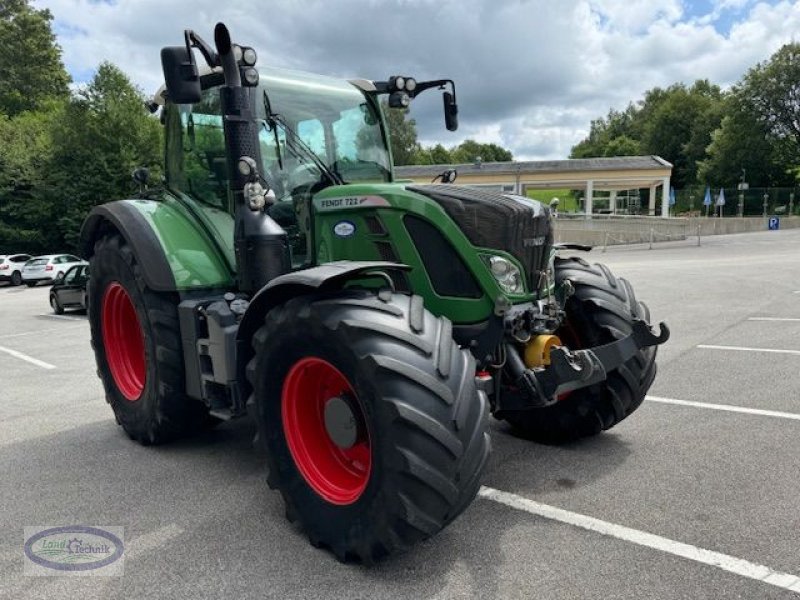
<point>148,542</point>
<point>24,333</point>
<point>62,317</point>
<point>746,349</point>
<point>725,562</point>
<point>25,357</point>
<point>726,407</point>
<point>773,319</point>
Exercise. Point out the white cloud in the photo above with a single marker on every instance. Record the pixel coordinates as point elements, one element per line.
<point>531,74</point>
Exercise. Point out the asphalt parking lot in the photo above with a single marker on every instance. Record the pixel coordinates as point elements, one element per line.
<point>696,495</point>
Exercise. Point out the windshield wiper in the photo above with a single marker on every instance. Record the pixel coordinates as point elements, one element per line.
<point>294,139</point>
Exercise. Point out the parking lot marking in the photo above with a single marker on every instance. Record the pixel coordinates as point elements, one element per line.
<point>746,349</point>
<point>711,558</point>
<point>62,317</point>
<point>726,407</point>
<point>773,319</point>
<point>153,540</point>
<point>24,333</point>
<point>25,357</point>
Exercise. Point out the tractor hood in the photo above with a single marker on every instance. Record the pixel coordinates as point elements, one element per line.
<point>515,224</point>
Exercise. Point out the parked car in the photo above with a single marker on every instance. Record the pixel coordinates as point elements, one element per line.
<point>48,268</point>
<point>69,291</point>
<point>11,267</point>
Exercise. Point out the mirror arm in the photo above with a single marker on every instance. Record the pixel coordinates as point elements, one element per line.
<point>195,41</point>
<point>435,83</point>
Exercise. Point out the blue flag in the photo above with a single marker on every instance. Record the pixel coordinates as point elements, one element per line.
<point>707,199</point>
<point>672,196</point>
<point>721,197</point>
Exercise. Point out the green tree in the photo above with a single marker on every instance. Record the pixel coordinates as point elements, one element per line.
<point>742,142</point>
<point>25,157</point>
<point>106,132</point>
<point>618,125</point>
<point>402,134</point>
<point>771,91</point>
<point>470,151</point>
<point>675,123</point>
<point>31,71</point>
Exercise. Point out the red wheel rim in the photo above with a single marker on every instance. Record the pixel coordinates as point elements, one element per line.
<point>123,341</point>
<point>339,475</point>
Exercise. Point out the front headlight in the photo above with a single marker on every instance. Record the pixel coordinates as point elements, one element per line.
<point>506,274</point>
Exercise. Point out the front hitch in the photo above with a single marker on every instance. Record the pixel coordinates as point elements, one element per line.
<point>572,370</point>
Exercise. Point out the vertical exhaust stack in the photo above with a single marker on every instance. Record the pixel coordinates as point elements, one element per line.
<point>260,243</point>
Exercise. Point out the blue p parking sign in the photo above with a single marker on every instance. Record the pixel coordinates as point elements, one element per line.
<point>774,223</point>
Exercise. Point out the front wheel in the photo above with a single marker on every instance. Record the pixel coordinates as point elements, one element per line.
<point>601,310</point>
<point>374,430</point>
<point>137,345</point>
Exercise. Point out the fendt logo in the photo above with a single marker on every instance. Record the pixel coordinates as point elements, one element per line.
<point>323,204</point>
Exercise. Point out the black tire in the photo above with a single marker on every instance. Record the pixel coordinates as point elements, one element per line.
<point>16,278</point>
<point>601,311</point>
<point>55,304</point>
<point>425,421</point>
<point>162,411</point>
<point>31,284</point>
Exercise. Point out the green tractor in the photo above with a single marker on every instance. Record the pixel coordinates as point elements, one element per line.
<point>368,325</point>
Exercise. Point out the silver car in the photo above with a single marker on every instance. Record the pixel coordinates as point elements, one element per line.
<point>48,268</point>
<point>11,267</point>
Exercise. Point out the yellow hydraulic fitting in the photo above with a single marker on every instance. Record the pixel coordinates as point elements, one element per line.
<point>537,351</point>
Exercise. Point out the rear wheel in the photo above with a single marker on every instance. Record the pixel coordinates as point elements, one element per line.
<point>137,345</point>
<point>601,310</point>
<point>374,430</point>
<point>16,278</point>
<point>30,284</point>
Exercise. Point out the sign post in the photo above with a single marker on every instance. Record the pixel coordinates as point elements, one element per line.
<point>743,187</point>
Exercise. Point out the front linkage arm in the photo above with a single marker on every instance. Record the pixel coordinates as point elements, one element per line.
<point>571,370</point>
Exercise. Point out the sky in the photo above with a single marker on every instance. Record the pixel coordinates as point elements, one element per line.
<point>530,74</point>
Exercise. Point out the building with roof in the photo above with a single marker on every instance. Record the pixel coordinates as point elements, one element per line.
<point>613,175</point>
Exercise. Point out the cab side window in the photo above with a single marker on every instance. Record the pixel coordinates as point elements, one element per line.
<point>205,166</point>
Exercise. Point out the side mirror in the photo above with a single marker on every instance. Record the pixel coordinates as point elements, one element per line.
<point>450,111</point>
<point>180,75</point>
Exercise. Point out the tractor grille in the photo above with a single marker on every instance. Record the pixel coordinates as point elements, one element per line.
<point>519,226</point>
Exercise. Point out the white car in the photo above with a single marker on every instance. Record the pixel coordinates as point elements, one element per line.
<point>48,268</point>
<point>11,267</point>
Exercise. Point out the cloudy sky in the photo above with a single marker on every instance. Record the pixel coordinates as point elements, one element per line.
<point>530,75</point>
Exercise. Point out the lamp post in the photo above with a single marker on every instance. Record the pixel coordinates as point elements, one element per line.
<point>691,203</point>
<point>766,199</point>
<point>791,203</point>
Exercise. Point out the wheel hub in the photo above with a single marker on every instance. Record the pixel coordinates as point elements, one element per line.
<point>340,421</point>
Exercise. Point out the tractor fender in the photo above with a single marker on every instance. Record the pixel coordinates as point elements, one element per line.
<point>327,277</point>
<point>173,249</point>
<point>330,276</point>
<point>132,225</point>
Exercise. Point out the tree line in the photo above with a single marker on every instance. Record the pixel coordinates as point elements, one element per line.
<point>750,132</point>
<point>62,150</point>
<point>407,150</point>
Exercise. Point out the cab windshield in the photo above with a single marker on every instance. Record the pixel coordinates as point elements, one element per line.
<point>316,131</point>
